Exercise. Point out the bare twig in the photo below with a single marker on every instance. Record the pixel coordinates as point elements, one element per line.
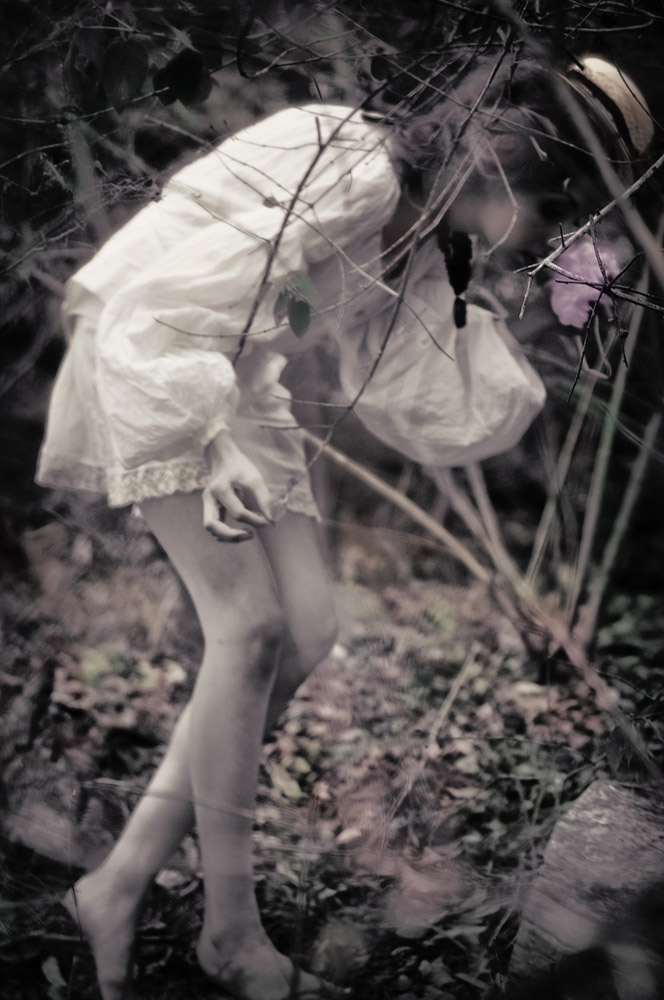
<point>87,194</point>
<point>597,587</point>
<point>465,672</point>
<point>600,469</point>
<point>501,558</point>
<point>557,481</point>
<point>444,480</point>
<point>621,196</point>
<point>457,548</point>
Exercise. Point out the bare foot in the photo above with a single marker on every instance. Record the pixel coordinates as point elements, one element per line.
<point>107,920</point>
<point>251,968</point>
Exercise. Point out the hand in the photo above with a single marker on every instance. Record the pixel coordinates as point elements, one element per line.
<point>236,487</point>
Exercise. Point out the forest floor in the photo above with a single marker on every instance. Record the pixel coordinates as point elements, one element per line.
<point>404,802</point>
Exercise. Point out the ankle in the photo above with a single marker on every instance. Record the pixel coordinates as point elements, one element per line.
<point>229,933</point>
<point>126,887</point>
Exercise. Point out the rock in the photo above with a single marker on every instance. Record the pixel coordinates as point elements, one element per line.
<point>593,922</point>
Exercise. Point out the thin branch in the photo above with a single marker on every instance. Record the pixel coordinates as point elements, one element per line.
<point>600,469</point>
<point>457,548</point>
<point>597,587</point>
<point>502,559</point>
<point>461,505</point>
<point>543,532</point>
<point>466,671</point>
<point>643,236</point>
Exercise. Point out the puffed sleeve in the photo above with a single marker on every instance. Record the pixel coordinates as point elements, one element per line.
<point>441,396</point>
<point>168,341</point>
<point>161,392</point>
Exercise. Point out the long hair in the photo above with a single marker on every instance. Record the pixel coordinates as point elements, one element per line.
<point>510,121</point>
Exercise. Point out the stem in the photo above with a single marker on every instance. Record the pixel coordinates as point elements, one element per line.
<point>465,672</point>
<point>461,505</point>
<point>86,193</point>
<point>543,533</point>
<point>600,470</point>
<point>501,558</point>
<point>415,512</point>
<point>642,235</point>
<point>600,580</point>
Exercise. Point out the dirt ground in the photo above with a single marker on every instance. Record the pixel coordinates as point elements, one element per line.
<point>404,800</point>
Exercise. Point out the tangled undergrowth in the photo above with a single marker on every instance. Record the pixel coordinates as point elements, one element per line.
<point>404,800</point>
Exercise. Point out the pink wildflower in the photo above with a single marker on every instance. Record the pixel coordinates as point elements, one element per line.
<point>571,300</point>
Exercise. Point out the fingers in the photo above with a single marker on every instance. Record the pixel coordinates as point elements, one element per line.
<point>255,500</point>
<point>213,522</point>
<point>262,499</point>
<point>249,505</point>
<point>239,502</point>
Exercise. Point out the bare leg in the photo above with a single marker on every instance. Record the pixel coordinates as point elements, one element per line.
<point>215,749</point>
<point>106,902</point>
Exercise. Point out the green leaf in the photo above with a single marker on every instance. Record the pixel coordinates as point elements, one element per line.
<point>439,974</point>
<point>300,765</point>
<point>184,78</point>
<point>124,71</point>
<point>284,783</point>
<point>96,663</point>
<point>299,316</point>
<point>302,285</point>
<point>54,977</point>
<point>82,67</point>
<point>468,764</point>
<point>280,310</point>
<point>296,298</point>
<point>619,749</point>
<point>411,933</point>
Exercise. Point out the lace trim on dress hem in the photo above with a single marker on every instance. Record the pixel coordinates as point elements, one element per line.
<point>154,480</point>
<point>124,488</point>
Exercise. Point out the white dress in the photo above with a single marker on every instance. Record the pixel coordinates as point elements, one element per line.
<point>173,337</point>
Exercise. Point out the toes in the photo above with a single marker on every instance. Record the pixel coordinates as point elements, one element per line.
<point>111,946</point>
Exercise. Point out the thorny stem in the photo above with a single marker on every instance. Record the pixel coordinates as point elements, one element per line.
<point>277,240</point>
<point>601,466</point>
<point>652,249</point>
<point>643,236</point>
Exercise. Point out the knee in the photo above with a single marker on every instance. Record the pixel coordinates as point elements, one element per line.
<point>264,645</point>
<point>253,647</point>
<point>315,639</point>
<point>266,637</point>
